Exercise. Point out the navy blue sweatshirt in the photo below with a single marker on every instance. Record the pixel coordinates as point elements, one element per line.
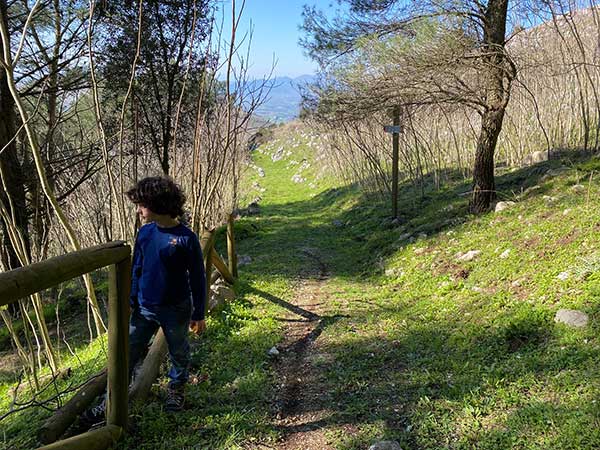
<point>167,268</point>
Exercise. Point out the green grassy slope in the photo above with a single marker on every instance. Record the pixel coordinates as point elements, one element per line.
<point>426,349</point>
<point>441,353</point>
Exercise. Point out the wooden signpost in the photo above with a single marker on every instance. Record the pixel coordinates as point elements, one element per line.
<point>395,129</point>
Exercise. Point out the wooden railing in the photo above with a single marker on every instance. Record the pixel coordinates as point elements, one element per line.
<point>19,283</point>
<point>24,281</point>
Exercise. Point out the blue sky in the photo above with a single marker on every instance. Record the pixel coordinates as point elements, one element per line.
<point>275,26</point>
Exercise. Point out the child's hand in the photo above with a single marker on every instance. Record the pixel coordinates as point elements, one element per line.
<point>198,326</point>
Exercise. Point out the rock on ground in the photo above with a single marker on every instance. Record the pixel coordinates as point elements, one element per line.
<point>572,318</point>
<point>394,272</point>
<point>243,260</point>
<point>501,206</point>
<point>253,209</point>
<point>297,178</point>
<point>469,256</point>
<point>220,295</point>
<point>404,237</point>
<point>534,158</point>
<point>278,155</point>
<point>531,189</point>
<point>385,445</point>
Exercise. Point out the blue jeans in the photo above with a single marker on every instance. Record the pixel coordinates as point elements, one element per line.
<point>174,321</point>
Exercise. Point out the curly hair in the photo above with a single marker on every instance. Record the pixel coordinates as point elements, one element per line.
<point>161,195</point>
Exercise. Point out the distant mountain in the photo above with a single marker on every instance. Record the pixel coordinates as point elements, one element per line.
<point>283,101</point>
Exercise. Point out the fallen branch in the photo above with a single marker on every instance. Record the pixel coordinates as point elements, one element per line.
<point>149,370</point>
<point>62,419</point>
<point>34,402</point>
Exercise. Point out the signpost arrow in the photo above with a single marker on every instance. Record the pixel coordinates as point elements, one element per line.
<point>392,129</point>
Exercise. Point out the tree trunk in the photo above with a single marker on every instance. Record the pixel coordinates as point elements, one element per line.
<point>10,166</point>
<point>12,196</point>
<point>484,186</point>
<point>498,73</point>
<point>41,170</point>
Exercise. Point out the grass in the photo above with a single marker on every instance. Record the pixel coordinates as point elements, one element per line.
<point>426,349</point>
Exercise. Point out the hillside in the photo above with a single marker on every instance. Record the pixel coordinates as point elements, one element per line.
<point>283,101</point>
<point>423,343</point>
<point>349,329</point>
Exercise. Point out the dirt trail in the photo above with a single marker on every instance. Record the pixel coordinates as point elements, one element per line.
<point>298,405</point>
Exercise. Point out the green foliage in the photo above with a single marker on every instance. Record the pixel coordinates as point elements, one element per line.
<point>416,345</point>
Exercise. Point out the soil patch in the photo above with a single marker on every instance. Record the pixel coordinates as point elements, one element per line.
<point>299,403</point>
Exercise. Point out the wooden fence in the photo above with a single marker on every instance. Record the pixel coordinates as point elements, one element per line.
<point>24,281</point>
<point>28,280</point>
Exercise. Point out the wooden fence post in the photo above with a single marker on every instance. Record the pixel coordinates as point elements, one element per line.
<point>395,160</point>
<point>231,255</point>
<point>62,419</point>
<point>221,266</point>
<point>118,343</point>
<point>207,241</point>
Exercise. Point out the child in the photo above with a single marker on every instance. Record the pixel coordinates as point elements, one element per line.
<point>168,287</point>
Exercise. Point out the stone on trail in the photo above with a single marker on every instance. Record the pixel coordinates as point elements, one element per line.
<point>578,188</point>
<point>261,172</point>
<point>571,317</point>
<point>469,256</point>
<point>501,206</point>
<point>385,445</point>
<point>273,351</point>
<point>563,276</point>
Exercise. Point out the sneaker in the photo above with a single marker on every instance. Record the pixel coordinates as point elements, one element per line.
<point>95,415</point>
<point>175,398</point>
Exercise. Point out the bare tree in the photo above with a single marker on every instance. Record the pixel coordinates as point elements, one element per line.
<point>439,53</point>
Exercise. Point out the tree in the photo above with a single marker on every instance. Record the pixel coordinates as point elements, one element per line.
<point>463,60</point>
<point>171,56</point>
<point>8,62</point>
